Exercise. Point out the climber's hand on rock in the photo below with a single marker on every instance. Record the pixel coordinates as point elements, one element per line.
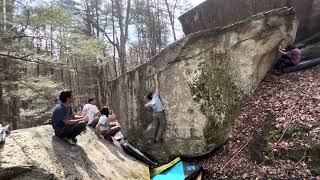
<point>281,49</point>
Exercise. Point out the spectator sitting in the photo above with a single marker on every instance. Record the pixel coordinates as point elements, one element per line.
<point>91,111</point>
<point>108,125</point>
<point>64,122</point>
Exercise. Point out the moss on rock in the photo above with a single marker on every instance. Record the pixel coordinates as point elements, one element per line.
<point>296,154</point>
<point>314,153</point>
<point>296,133</point>
<point>221,100</point>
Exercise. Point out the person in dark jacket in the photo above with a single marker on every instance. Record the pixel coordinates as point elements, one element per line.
<point>64,122</point>
<point>291,56</point>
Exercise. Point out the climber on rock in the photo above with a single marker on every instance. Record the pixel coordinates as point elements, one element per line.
<point>159,120</point>
<point>108,125</point>
<point>291,56</point>
<point>64,122</point>
<point>91,111</point>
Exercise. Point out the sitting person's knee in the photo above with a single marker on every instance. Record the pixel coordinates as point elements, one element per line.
<point>83,124</point>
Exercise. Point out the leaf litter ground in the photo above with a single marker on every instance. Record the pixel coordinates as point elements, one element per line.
<point>280,120</point>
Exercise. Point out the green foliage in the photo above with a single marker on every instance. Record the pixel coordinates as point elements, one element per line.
<point>37,98</point>
<point>298,132</point>
<point>53,15</point>
<point>315,157</point>
<point>85,47</point>
<point>60,38</point>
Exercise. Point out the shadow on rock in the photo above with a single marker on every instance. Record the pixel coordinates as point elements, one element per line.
<point>110,146</point>
<point>155,151</point>
<point>114,150</point>
<point>73,159</point>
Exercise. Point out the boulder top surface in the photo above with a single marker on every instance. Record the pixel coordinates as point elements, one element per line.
<point>35,153</point>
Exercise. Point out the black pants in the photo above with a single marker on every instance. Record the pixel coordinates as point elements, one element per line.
<point>94,123</point>
<point>108,133</point>
<point>284,62</point>
<point>73,130</point>
<point>136,153</point>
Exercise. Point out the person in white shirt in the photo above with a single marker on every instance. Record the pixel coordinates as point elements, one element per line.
<point>159,119</point>
<point>108,126</point>
<point>91,111</point>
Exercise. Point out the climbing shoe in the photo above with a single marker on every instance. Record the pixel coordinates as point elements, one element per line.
<point>69,141</point>
<point>277,72</point>
<point>159,140</point>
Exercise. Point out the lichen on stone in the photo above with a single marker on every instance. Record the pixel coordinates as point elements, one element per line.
<point>314,153</point>
<point>221,100</point>
<point>296,133</point>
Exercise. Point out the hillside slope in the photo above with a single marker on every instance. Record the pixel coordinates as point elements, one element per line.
<point>277,134</point>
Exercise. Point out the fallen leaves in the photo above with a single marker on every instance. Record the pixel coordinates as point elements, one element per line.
<point>294,99</point>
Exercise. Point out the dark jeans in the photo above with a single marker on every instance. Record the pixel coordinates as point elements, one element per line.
<point>136,153</point>
<point>73,130</point>
<point>108,133</point>
<point>159,125</point>
<point>284,62</point>
<point>94,122</point>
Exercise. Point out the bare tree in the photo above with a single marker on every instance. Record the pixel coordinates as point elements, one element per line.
<point>123,21</point>
<point>171,10</point>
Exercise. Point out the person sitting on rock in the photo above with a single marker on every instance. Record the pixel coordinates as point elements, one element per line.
<point>64,122</point>
<point>291,56</point>
<point>159,120</point>
<point>114,124</point>
<point>91,111</point>
<point>108,125</point>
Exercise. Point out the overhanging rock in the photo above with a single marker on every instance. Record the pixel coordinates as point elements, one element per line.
<point>219,13</point>
<point>204,78</point>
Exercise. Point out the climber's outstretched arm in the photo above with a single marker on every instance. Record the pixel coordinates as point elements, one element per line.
<point>157,83</point>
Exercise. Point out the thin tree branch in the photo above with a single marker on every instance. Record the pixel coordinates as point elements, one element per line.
<point>11,74</point>
<point>235,155</point>
<point>23,58</point>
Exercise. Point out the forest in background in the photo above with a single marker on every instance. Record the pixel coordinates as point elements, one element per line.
<point>51,45</point>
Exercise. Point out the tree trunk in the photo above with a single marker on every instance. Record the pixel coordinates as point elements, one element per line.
<point>124,28</point>
<point>97,17</point>
<point>171,17</point>
<point>88,19</point>
<point>114,39</point>
<point>1,88</point>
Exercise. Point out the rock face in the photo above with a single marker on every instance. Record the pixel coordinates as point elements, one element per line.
<point>310,47</point>
<point>315,17</point>
<point>219,13</point>
<point>36,154</point>
<point>204,78</point>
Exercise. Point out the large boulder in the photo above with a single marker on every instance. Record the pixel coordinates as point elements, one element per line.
<point>219,13</point>
<point>311,51</point>
<point>204,78</point>
<point>315,17</point>
<point>310,47</point>
<point>36,153</point>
